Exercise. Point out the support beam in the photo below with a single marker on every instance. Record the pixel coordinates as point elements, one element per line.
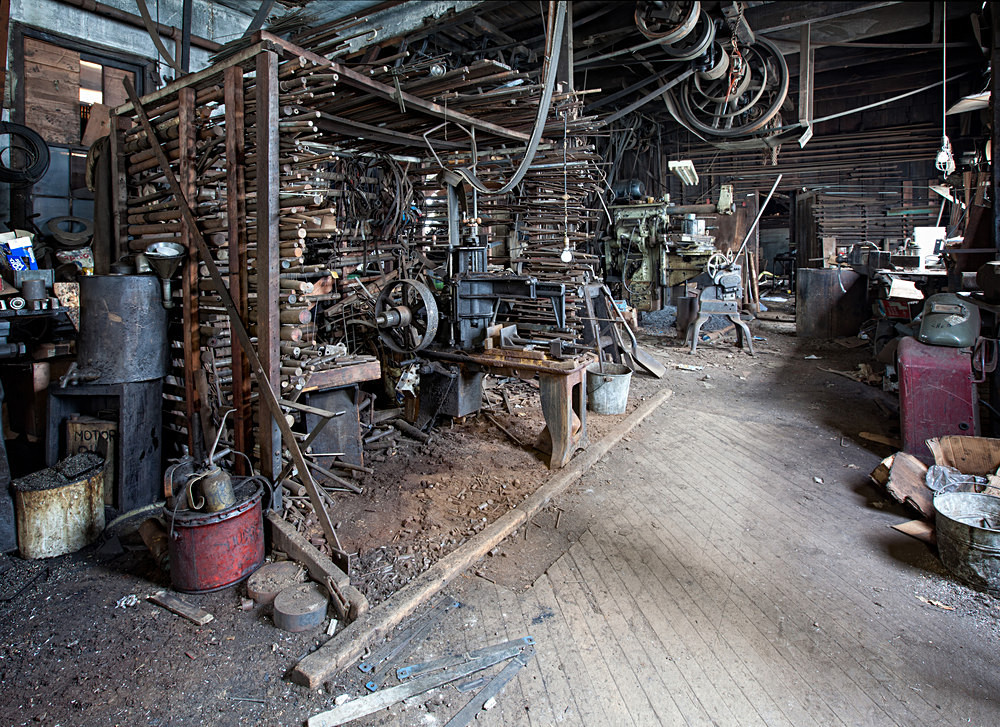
<point>564,75</point>
<point>995,91</point>
<point>237,229</point>
<point>268,255</point>
<point>189,279</point>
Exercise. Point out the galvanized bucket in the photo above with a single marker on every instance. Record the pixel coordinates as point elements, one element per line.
<point>968,537</point>
<point>607,390</point>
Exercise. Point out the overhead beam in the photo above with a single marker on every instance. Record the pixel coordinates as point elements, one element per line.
<point>798,14</point>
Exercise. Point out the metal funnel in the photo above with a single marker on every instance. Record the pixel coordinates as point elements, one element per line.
<point>165,258</point>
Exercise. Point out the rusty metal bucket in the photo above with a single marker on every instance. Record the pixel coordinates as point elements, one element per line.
<point>214,550</point>
<point>968,536</point>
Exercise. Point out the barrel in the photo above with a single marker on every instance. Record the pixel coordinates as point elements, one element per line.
<point>123,329</point>
<point>211,551</point>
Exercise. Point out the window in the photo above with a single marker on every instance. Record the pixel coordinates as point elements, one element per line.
<point>68,90</point>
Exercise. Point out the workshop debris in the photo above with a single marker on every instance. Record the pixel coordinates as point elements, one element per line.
<point>176,605</point>
<point>865,374</point>
<point>919,529</point>
<point>423,677</point>
<point>383,660</point>
<point>932,602</point>
<point>127,601</point>
<point>907,483</point>
<point>893,442</point>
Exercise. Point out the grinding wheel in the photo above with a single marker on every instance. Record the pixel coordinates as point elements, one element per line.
<point>300,608</point>
<point>271,579</point>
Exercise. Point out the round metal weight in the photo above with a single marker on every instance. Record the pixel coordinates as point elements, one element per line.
<point>300,608</point>
<point>271,579</point>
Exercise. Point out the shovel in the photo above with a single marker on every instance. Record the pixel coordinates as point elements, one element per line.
<point>640,357</point>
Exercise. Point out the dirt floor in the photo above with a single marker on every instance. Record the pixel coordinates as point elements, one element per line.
<point>82,646</point>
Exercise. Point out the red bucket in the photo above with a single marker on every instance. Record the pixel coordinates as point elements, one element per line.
<point>211,551</point>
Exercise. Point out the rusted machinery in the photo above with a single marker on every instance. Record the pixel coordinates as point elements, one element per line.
<point>656,246</point>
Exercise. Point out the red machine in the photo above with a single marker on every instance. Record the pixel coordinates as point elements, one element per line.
<point>936,394</point>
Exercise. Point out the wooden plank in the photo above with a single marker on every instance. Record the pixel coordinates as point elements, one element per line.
<point>576,610</point>
<point>237,242</point>
<point>57,122</point>
<point>495,613</point>
<point>724,684</point>
<point>119,191</point>
<point>919,529</point>
<point>908,483</point>
<point>172,603</point>
<point>98,125</point>
<point>340,651</point>
<point>48,54</point>
<point>113,85</point>
<point>268,254</point>
<point>545,690</point>
<point>650,701</point>
<point>344,376</point>
<point>697,567</point>
<point>850,674</point>
<point>575,698</point>
<point>675,613</point>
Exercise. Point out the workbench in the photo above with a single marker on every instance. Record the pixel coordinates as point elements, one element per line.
<point>562,387</point>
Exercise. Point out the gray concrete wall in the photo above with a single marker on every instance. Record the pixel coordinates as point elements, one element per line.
<point>209,20</point>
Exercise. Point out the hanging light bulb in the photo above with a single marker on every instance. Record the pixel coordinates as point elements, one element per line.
<point>945,160</point>
<point>567,253</point>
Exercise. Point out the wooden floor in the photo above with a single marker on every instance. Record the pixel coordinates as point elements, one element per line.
<point>719,583</point>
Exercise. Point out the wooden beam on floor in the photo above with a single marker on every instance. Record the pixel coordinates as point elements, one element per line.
<point>342,650</point>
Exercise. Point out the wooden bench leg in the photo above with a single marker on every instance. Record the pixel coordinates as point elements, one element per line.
<point>564,406</point>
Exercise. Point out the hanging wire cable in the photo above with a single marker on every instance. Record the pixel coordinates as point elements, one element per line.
<point>945,160</point>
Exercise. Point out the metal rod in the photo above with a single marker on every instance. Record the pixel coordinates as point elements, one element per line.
<point>760,214</point>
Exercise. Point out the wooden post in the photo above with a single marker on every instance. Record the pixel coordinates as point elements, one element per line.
<point>237,228</point>
<point>189,276</point>
<point>119,192</point>
<point>268,325</point>
<point>996,126</point>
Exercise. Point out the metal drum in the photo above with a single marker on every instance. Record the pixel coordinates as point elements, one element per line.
<point>213,550</point>
<point>123,329</point>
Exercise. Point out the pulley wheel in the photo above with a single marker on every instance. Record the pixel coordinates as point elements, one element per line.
<point>419,330</point>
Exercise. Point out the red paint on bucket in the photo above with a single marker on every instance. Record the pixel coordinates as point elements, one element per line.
<point>211,551</point>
